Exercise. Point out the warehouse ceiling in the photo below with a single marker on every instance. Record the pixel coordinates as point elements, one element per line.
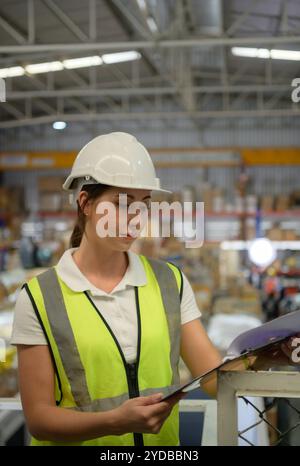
<point>181,65</point>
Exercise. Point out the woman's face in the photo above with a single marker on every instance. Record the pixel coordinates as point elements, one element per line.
<point>113,219</point>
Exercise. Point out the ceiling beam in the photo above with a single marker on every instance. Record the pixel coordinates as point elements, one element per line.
<point>152,44</point>
<point>44,106</point>
<point>78,105</point>
<point>31,21</point>
<point>66,20</point>
<point>286,112</point>
<point>143,91</point>
<point>131,18</point>
<point>17,35</point>
<point>92,20</point>
<point>8,107</point>
<point>242,18</point>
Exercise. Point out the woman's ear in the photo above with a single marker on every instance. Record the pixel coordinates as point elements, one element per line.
<point>83,203</point>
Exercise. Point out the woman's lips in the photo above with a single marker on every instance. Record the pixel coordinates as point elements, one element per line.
<point>129,237</point>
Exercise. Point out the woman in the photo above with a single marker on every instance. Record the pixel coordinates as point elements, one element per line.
<point>99,336</point>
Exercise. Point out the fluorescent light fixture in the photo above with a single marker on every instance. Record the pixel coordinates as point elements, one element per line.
<point>285,54</point>
<point>59,125</point>
<point>44,67</point>
<point>82,62</point>
<point>142,4</point>
<point>244,52</point>
<point>275,54</point>
<point>250,52</point>
<point>72,63</point>
<point>263,53</point>
<point>152,24</point>
<point>119,57</point>
<point>12,72</point>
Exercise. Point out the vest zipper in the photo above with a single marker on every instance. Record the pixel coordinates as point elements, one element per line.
<point>131,370</point>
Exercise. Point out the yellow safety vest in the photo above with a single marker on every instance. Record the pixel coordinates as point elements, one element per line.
<point>91,371</point>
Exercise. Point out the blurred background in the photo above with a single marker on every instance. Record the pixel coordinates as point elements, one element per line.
<point>208,87</point>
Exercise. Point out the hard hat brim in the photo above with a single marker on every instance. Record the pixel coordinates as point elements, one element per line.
<point>68,183</point>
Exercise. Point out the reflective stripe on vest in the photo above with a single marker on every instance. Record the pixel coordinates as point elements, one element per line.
<point>169,292</point>
<point>64,337</point>
<point>53,298</point>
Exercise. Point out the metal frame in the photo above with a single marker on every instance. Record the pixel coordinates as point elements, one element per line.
<point>232,384</point>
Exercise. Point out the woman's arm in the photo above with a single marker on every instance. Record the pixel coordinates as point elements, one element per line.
<point>198,353</point>
<point>46,421</point>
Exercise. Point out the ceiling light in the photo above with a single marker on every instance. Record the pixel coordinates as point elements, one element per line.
<point>82,62</point>
<point>59,125</point>
<point>69,64</point>
<point>44,67</point>
<point>119,57</point>
<point>142,4</point>
<point>275,54</point>
<point>12,72</point>
<point>285,54</point>
<point>152,24</point>
<point>262,252</point>
<point>263,53</point>
<point>250,52</point>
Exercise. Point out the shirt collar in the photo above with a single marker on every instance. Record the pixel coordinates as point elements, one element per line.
<point>71,275</point>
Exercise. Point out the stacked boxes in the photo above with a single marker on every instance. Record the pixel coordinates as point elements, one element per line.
<point>50,193</point>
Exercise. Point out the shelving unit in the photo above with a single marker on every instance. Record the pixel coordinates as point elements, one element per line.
<point>50,214</point>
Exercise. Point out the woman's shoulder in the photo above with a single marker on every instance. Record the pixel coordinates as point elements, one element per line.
<point>26,327</point>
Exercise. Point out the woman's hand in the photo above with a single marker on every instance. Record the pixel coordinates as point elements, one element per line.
<point>145,414</point>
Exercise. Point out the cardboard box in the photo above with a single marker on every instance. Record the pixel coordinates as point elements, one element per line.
<point>65,203</point>
<point>16,200</point>
<point>289,235</point>
<point>282,203</point>
<point>4,198</point>
<point>50,183</point>
<point>251,203</point>
<point>275,234</point>
<point>250,232</point>
<point>267,203</point>
<point>50,202</point>
<point>207,198</point>
<point>218,204</point>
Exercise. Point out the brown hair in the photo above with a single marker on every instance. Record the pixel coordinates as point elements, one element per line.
<point>93,191</point>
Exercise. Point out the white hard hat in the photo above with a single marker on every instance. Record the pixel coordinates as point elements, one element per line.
<point>114,159</point>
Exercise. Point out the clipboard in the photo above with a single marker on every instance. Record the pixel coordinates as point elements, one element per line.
<point>234,363</point>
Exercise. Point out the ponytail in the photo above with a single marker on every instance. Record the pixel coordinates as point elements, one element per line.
<point>93,192</point>
<point>78,229</point>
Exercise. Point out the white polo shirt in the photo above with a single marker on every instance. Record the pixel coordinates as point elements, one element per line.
<point>117,307</point>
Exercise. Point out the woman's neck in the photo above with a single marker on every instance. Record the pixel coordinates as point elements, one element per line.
<point>100,261</point>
